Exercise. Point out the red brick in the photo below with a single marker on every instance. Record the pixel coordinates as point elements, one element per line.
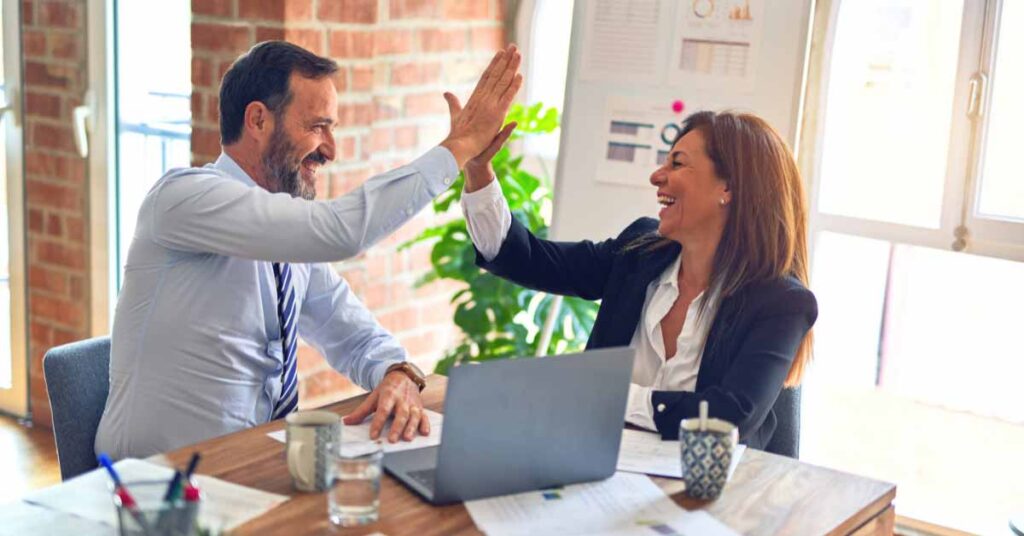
<point>54,226</point>
<point>392,42</point>
<point>425,104</point>
<point>413,9</point>
<point>212,109</point>
<point>466,9</point>
<point>346,44</point>
<point>202,72</point>
<point>58,310</point>
<point>41,74</point>
<point>400,320</point>
<point>380,139</point>
<point>43,105</point>
<point>28,13</point>
<point>63,336</point>
<point>206,141</point>
<point>222,68</point>
<point>489,39</point>
<point>68,256</point>
<point>41,334</point>
<point>40,278</point>
<point>35,220</point>
<point>406,137</point>
<point>298,10</point>
<point>415,73</point>
<point>198,108</point>
<point>60,15</point>
<point>33,43</point>
<point>311,40</point>
<point>436,40</point>
<point>77,286</point>
<point>66,45</point>
<point>357,11</point>
<point>325,384</point>
<point>221,38</point>
<point>75,228</point>
<point>362,77</point>
<point>355,114</point>
<point>376,295</point>
<point>52,195</point>
<point>346,147</point>
<point>378,267</point>
<point>70,169</point>
<point>267,10</point>
<point>216,8</point>
<point>53,137</point>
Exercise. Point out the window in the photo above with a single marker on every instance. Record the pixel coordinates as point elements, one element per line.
<point>544,29</point>
<point>918,237</point>
<point>154,115</point>
<point>13,362</point>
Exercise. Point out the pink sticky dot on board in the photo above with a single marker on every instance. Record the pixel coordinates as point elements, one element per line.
<point>678,106</point>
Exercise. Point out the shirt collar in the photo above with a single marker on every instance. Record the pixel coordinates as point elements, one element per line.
<point>670,276</point>
<point>228,165</point>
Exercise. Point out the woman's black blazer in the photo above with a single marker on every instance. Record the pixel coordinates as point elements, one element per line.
<point>750,346</point>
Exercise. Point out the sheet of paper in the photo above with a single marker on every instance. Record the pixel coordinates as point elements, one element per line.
<point>645,452</point>
<point>621,40</point>
<point>623,504</point>
<point>24,519</point>
<point>360,433</point>
<point>88,496</point>
<point>636,136</point>
<point>716,42</point>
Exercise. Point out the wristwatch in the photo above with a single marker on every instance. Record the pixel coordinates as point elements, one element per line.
<point>412,371</point>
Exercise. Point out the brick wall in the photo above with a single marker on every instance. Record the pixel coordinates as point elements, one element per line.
<point>396,58</point>
<point>53,41</point>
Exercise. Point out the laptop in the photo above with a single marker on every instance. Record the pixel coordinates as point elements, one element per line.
<point>523,424</point>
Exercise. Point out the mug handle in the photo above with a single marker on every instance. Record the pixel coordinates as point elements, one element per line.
<point>298,451</point>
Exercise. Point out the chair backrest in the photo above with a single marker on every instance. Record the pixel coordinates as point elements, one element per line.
<point>786,440</point>
<point>77,382</point>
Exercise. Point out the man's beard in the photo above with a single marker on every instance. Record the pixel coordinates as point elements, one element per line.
<point>283,167</point>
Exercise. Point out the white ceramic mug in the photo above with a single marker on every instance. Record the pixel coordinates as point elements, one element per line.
<point>311,435</point>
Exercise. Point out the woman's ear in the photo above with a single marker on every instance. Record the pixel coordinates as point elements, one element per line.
<point>726,194</point>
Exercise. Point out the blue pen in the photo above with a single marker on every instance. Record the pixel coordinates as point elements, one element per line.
<point>127,501</point>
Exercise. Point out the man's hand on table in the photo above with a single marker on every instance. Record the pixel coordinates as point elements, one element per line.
<point>396,395</point>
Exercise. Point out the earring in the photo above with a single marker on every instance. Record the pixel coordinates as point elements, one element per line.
<point>721,201</point>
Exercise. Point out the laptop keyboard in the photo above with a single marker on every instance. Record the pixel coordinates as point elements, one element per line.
<point>424,476</point>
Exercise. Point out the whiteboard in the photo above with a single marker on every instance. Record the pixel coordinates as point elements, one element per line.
<point>638,67</point>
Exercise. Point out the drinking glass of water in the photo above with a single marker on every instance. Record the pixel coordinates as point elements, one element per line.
<point>354,496</point>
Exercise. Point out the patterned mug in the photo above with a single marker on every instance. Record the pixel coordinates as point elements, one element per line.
<point>706,455</point>
<point>311,436</point>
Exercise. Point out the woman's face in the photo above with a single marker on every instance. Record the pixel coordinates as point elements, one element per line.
<point>693,198</point>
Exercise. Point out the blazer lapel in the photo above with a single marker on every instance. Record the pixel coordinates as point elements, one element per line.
<point>626,306</point>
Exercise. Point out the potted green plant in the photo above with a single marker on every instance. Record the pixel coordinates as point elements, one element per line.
<point>499,319</point>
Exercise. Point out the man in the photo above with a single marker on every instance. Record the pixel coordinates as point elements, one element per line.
<point>226,267</point>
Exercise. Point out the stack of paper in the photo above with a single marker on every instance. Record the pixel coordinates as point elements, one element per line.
<point>225,505</point>
<point>646,452</point>
<point>624,504</point>
<point>354,434</point>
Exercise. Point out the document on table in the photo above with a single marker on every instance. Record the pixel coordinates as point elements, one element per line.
<point>626,503</point>
<point>646,452</point>
<point>225,505</point>
<point>24,519</point>
<point>360,433</point>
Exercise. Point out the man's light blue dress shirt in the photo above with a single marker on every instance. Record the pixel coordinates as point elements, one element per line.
<point>196,345</point>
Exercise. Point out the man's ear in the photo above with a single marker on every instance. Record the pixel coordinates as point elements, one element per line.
<point>259,121</point>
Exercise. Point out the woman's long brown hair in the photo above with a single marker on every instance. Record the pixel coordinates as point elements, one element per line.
<point>765,237</point>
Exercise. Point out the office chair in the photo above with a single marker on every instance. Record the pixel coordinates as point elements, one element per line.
<point>77,381</point>
<point>786,440</point>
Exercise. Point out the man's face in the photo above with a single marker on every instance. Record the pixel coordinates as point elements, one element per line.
<point>302,141</point>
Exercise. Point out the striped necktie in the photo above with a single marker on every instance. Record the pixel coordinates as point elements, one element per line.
<point>286,314</point>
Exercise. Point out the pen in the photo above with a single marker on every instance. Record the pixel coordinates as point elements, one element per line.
<point>192,463</point>
<point>127,501</point>
<point>172,488</point>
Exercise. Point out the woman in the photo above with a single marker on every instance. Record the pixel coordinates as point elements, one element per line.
<point>712,295</point>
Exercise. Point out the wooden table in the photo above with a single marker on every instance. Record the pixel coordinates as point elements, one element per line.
<point>768,494</point>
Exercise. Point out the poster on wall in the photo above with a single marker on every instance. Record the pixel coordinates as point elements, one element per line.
<point>636,137</point>
<point>716,42</point>
<point>622,42</point>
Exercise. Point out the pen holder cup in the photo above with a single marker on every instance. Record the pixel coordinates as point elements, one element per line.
<point>151,515</point>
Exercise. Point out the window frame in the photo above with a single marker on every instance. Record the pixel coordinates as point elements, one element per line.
<point>984,236</point>
<point>15,401</point>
